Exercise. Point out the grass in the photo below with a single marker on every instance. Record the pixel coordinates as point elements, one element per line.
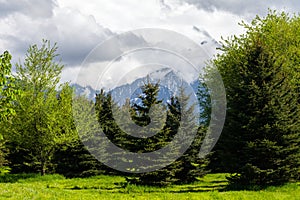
<point>33,186</point>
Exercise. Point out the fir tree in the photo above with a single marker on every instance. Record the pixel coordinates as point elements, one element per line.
<point>260,140</point>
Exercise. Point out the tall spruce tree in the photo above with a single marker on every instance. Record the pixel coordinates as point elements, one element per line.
<point>119,134</point>
<point>191,166</point>
<point>185,169</point>
<point>260,140</point>
<point>141,115</point>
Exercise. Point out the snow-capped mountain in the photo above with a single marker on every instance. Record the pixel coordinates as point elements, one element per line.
<point>169,80</point>
<point>86,91</point>
<point>169,84</point>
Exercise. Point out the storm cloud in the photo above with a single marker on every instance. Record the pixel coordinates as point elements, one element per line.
<point>75,33</point>
<point>246,8</point>
<point>31,8</point>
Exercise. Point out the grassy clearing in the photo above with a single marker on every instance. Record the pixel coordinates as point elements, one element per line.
<point>33,186</point>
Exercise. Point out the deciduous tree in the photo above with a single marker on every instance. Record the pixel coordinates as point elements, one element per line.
<point>43,110</point>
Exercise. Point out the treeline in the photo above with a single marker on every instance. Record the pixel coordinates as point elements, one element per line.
<point>41,135</point>
<point>259,144</point>
<point>187,168</point>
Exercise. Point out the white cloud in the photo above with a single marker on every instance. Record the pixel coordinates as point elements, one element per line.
<point>126,15</point>
<point>79,26</point>
<point>155,48</point>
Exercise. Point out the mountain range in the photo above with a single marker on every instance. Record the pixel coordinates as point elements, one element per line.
<point>169,83</point>
<point>168,79</point>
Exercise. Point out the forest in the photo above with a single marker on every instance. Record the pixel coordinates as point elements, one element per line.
<point>259,146</point>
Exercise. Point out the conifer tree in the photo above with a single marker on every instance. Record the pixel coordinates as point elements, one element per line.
<point>260,140</point>
<point>191,165</point>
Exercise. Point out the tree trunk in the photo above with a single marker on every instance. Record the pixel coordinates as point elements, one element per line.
<point>43,168</point>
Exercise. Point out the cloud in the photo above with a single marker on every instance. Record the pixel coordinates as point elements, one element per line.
<point>113,48</point>
<point>164,6</point>
<point>125,15</point>
<point>245,8</point>
<point>141,51</point>
<point>31,8</point>
<point>78,27</point>
<point>76,34</point>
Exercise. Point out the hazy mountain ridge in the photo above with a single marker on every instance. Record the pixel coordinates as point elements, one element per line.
<point>168,81</point>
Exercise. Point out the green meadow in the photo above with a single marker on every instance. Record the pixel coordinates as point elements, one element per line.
<point>212,186</point>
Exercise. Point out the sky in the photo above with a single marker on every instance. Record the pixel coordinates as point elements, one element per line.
<point>79,26</point>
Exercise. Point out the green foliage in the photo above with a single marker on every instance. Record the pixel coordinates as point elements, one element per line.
<point>8,94</point>
<point>183,170</point>
<point>3,162</point>
<point>260,70</point>
<point>190,165</point>
<point>43,115</point>
<point>74,160</point>
<point>140,115</point>
<point>8,91</point>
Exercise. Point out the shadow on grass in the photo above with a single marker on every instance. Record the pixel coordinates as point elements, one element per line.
<point>90,188</point>
<point>12,178</point>
<point>207,186</point>
<point>199,189</point>
<point>129,188</point>
<point>221,181</point>
<point>241,187</point>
